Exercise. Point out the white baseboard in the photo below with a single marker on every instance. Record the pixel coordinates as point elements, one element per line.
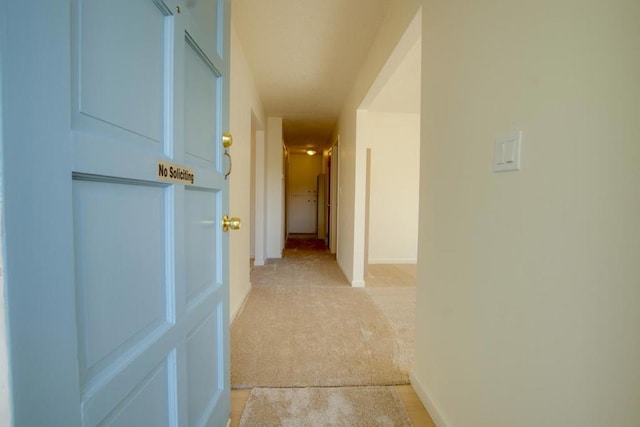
<point>393,261</point>
<point>354,283</point>
<point>427,401</point>
<point>357,284</point>
<point>238,309</point>
<point>258,262</point>
<point>229,422</point>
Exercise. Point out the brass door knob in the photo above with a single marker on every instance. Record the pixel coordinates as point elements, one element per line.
<point>227,139</point>
<point>230,223</point>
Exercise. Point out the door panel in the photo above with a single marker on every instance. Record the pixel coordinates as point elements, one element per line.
<point>155,390</point>
<point>205,386</point>
<point>122,301</point>
<point>122,67</point>
<point>201,93</point>
<point>200,246</point>
<point>124,220</point>
<point>205,306</point>
<point>206,21</point>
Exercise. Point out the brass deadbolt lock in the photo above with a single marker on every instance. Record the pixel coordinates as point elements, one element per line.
<point>227,139</point>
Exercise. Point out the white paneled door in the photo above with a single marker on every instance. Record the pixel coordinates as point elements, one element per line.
<point>117,266</point>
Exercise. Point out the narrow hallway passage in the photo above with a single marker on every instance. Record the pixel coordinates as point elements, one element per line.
<point>308,349</point>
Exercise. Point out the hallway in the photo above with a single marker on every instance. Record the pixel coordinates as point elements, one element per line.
<point>305,275</point>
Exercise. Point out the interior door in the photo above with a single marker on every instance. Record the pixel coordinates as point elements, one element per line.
<point>134,331</point>
<point>302,213</point>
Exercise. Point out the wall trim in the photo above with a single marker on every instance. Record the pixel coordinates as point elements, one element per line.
<point>357,284</point>
<point>237,310</point>
<point>343,269</point>
<point>427,401</point>
<point>393,261</point>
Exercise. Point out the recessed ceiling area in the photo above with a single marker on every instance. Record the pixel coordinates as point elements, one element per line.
<point>305,56</point>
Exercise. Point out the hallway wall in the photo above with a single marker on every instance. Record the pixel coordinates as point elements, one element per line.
<point>244,102</point>
<point>275,203</point>
<point>394,139</point>
<point>352,162</point>
<point>529,281</point>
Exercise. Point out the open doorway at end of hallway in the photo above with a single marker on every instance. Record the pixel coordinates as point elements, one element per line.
<point>302,193</point>
<point>389,133</point>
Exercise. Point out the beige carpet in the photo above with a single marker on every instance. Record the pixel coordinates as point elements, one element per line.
<point>345,406</point>
<point>399,307</point>
<point>300,268</point>
<point>299,336</point>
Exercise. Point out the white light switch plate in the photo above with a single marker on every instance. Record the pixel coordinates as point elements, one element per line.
<point>506,152</point>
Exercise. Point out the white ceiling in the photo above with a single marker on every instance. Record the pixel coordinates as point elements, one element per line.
<point>305,56</point>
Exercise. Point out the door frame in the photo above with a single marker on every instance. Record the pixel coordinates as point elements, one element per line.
<point>334,195</point>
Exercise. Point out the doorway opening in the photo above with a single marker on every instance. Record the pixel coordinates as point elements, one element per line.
<point>389,133</point>
<point>304,174</point>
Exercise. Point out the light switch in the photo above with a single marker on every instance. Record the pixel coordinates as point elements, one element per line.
<point>506,152</point>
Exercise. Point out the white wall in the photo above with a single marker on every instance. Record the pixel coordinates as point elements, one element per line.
<point>258,192</point>
<point>394,140</point>
<point>244,104</point>
<point>275,188</point>
<point>529,281</point>
<point>252,192</point>
<point>352,162</point>
<point>334,190</point>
